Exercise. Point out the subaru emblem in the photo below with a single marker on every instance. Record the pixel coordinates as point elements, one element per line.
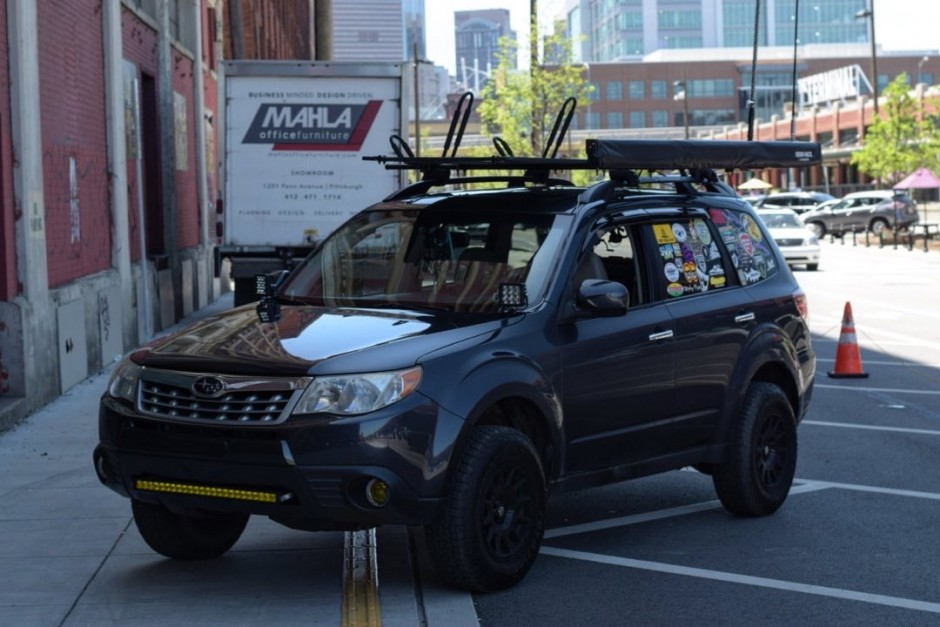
<point>208,386</point>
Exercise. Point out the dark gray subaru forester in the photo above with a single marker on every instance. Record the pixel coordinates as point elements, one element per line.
<point>450,358</point>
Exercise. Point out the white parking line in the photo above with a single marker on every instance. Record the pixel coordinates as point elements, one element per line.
<point>717,575</point>
<point>763,582</point>
<point>854,388</point>
<point>844,425</point>
<point>875,362</point>
<point>636,519</point>
<point>916,494</point>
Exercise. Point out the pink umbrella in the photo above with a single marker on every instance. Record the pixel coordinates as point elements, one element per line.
<point>923,178</point>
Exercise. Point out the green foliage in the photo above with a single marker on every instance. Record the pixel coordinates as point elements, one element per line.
<point>521,107</point>
<point>897,143</point>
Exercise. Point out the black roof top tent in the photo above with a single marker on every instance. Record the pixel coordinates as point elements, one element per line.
<point>693,154</point>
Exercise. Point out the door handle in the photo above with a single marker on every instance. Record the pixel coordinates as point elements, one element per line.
<point>660,335</point>
<point>745,317</point>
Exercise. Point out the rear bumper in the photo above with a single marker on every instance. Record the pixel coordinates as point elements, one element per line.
<point>795,255</point>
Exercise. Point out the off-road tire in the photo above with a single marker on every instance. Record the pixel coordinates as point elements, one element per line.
<point>184,537</point>
<point>755,478</point>
<point>490,529</point>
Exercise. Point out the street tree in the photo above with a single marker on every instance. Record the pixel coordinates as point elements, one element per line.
<point>899,141</point>
<point>521,107</point>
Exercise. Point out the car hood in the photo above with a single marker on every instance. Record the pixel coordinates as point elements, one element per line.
<point>312,340</point>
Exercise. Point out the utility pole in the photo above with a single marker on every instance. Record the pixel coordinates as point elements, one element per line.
<point>533,65</point>
<point>869,14</point>
<point>680,91</point>
<point>323,38</point>
<point>417,105</point>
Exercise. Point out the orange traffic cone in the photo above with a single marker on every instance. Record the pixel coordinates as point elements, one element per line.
<point>848,358</point>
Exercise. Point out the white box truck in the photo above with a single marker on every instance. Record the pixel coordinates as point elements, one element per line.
<point>295,135</point>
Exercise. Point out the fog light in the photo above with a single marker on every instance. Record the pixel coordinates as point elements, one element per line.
<point>377,493</point>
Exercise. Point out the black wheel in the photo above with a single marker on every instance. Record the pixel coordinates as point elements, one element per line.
<point>755,478</point>
<point>489,532</point>
<point>818,228</point>
<point>812,267</point>
<point>187,537</point>
<point>878,226</point>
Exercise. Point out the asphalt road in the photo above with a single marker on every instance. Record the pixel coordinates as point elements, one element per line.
<point>856,543</point>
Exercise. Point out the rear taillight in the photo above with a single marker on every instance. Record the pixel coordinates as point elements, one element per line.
<point>799,299</point>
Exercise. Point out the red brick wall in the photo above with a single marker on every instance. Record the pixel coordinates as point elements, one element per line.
<point>273,29</point>
<point>71,83</point>
<point>187,197</point>
<point>140,48</point>
<point>8,283</point>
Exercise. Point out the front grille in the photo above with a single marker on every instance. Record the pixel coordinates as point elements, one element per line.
<point>789,241</point>
<point>243,400</point>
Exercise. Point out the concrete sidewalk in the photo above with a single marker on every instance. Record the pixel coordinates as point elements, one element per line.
<point>70,553</point>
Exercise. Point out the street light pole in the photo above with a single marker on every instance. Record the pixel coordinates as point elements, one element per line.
<point>920,69</point>
<point>869,14</point>
<point>684,96</point>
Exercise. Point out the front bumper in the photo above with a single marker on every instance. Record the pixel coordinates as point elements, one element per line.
<point>318,468</point>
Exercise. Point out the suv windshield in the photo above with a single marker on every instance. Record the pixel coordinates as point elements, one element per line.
<point>421,258</point>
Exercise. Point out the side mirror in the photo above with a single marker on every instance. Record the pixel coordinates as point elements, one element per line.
<point>604,299</point>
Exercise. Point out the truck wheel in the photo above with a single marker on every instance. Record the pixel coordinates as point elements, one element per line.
<point>755,478</point>
<point>489,532</point>
<point>184,537</point>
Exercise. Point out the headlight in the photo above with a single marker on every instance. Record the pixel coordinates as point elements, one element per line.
<point>812,240</point>
<point>352,394</point>
<point>123,382</point>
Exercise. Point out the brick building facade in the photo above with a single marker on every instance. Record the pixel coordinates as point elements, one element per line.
<point>107,211</point>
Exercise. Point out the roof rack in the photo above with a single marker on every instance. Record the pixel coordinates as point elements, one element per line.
<point>695,159</point>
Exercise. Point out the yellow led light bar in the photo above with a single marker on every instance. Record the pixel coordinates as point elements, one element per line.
<point>193,489</point>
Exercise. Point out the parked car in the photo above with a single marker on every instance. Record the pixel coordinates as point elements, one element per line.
<point>448,358</point>
<point>799,202</point>
<point>753,199</point>
<point>796,241</point>
<point>873,211</point>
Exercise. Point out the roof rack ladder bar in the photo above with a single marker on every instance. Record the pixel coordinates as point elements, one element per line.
<point>464,107</point>
<point>555,137</point>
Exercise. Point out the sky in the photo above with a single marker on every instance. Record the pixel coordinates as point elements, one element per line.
<point>899,24</point>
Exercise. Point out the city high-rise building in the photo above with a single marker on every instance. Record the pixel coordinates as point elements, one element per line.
<point>477,37</point>
<point>369,30</point>
<point>618,30</point>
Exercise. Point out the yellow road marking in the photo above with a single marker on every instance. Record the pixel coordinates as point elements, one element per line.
<point>361,580</point>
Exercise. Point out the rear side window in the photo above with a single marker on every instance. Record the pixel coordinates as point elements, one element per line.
<point>688,259</point>
<point>751,254</point>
